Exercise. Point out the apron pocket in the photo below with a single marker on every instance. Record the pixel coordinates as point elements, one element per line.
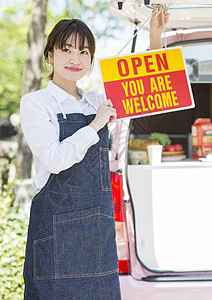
<point>85,243</point>
<point>108,249</point>
<point>104,169</point>
<point>43,259</point>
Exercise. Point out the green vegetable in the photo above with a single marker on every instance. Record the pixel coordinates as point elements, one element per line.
<point>161,138</point>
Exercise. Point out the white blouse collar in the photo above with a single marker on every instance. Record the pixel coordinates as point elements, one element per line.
<point>60,95</point>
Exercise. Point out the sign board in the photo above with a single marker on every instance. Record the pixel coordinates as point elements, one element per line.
<point>143,84</point>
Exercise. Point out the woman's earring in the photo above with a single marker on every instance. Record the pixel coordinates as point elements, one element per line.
<point>50,65</point>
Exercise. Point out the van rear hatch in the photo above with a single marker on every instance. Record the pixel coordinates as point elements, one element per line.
<point>171,202</point>
<point>183,14</point>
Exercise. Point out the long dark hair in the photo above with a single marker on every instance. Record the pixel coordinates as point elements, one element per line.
<point>62,31</point>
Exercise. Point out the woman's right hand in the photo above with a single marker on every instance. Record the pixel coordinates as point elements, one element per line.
<point>105,114</point>
<point>156,27</point>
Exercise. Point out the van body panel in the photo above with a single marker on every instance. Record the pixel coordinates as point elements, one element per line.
<point>138,289</point>
<point>183,14</point>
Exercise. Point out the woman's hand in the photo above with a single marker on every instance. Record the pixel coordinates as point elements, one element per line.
<point>105,114</point>
<point>156,27</point>
<point>156,22</point>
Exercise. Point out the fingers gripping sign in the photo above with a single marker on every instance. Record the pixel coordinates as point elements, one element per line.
<point>112,117</point>
<point>108,102</point>
<point>105,115</point>
<point>158,22</point>
<point>157,18</point>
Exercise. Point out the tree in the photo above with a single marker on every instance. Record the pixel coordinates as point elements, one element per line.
<point>32,76</point>
<point>12,50</point>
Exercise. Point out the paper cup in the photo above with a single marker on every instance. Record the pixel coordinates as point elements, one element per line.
<point>155,154</point>
<point>209,156</point>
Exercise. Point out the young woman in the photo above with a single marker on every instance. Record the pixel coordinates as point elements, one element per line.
<point>71,249</point>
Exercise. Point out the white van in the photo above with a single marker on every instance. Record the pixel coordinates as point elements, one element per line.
<point>164,213</point>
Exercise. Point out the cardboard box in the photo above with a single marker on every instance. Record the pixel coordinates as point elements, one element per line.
<point>201,137</point>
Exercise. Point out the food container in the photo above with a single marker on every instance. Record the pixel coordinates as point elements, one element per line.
<point>201,138</point>
<point>138,150</point>
<point>137,157</point>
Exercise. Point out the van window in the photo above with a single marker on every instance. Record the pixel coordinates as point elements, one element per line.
<point>199,61</point>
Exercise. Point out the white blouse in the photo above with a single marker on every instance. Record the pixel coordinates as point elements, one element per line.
<point>38,113</point>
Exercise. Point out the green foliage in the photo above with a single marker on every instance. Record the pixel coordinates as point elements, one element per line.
<point>161,138</point>
<point>12,56</point>
<point>6,160</point>
<point>14,26</point>
<point>13,232</point>
<point>93,12</point>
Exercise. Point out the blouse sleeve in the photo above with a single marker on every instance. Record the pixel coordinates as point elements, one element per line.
<point>42,138</point>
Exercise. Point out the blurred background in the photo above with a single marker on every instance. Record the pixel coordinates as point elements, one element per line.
<point>24,25</point>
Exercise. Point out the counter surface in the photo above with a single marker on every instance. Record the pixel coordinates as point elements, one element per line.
<point>186,163</point>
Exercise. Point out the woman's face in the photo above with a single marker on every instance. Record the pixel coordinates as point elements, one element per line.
<point>70,63</point>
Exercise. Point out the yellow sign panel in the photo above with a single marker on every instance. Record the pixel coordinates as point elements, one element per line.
<point>150,63</point>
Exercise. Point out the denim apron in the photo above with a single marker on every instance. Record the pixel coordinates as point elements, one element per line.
<point>71,250</point>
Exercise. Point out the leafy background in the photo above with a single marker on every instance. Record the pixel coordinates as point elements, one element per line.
<point>13,231</point>
<point>14,26</point>
<point>14,23</point>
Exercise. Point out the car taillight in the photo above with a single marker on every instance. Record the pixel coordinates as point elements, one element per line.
<point>119,215</point>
